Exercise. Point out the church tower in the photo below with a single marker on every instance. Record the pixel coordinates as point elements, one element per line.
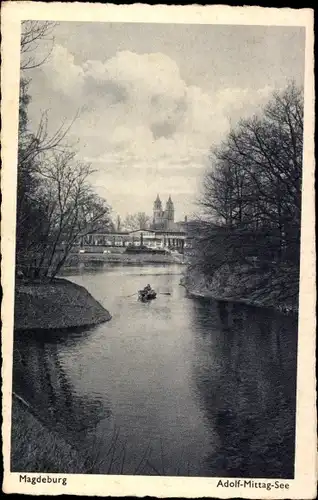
<point>157,211</point>
<point>169,209</point>
<point>169,213</point>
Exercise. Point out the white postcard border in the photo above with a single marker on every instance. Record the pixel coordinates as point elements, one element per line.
<point>304,484</point>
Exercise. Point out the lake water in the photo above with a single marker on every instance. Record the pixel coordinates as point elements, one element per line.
<point>178,386</point>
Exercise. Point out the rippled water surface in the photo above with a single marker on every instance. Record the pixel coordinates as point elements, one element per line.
<point>178,386</point>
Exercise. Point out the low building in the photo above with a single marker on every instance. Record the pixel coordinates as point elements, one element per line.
<point>164,233</point>
<point>173,240</point>
<point>104,238</point>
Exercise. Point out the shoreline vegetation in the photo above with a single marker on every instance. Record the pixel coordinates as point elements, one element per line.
<point>26,432</point>
<point>55,305</point>
<point>48,305</point>
<point>241,284</point>
<point>247,243</point>
<point>37,447</point>
<point>53,456</point>
<point>61,304</point>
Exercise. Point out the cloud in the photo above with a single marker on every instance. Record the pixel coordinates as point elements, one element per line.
<point>63,73</point>
<point>139,118</point>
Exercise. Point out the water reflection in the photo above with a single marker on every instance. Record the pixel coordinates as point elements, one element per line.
<point>40,378</point>
<point>248,389</point>
<point>194,387</point>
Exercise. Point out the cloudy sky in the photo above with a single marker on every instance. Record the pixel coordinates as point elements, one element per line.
<point>152,99</point>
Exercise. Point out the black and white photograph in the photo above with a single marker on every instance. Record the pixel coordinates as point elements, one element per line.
<point>159,190</point>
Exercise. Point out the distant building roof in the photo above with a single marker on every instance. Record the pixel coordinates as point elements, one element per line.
<point>109,233</point>
<point>169,231</point>
<point>142,231</point>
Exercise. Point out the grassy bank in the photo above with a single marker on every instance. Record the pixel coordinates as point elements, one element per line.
<point>37,448</point>
<point>247,285</point>
<point>55,305</point>
<point>34,448</point>
<point>75,260</point>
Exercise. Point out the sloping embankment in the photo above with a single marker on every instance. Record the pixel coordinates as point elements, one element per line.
<point>56,305</point>
<point>244,285</point>
<point>35,448</point>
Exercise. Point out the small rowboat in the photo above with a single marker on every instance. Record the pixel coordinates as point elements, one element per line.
<point>146,296</point>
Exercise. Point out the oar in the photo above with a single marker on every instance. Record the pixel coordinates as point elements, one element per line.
<point>159,293</point>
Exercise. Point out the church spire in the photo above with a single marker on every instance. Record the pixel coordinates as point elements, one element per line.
<point>169,202</point>
<point>157,204</point>
<point>170,209</point>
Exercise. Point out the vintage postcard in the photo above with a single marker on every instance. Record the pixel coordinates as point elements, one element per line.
<point>158,251</point>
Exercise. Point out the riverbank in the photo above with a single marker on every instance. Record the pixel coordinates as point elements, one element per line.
<point>59,304</point>
<point>35,448</point>
<point>120,257</point>
<point>207,371</point>
<point>243,284</point>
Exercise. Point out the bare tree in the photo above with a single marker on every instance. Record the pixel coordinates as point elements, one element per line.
<point>252,191</point>
<point>56,205</point>
<point>139,220</point>
<point>32,34</point>
<point>34,151</point>
<point>69,210</point>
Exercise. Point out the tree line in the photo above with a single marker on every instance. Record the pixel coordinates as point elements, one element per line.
<point>56,203</point>
<point>134,221</point>
<point>251,196</point>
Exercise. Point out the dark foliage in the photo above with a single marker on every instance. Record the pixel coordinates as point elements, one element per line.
<point>252,194</point>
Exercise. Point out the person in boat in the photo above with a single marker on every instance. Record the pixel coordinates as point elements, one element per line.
<point>146,291</point>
